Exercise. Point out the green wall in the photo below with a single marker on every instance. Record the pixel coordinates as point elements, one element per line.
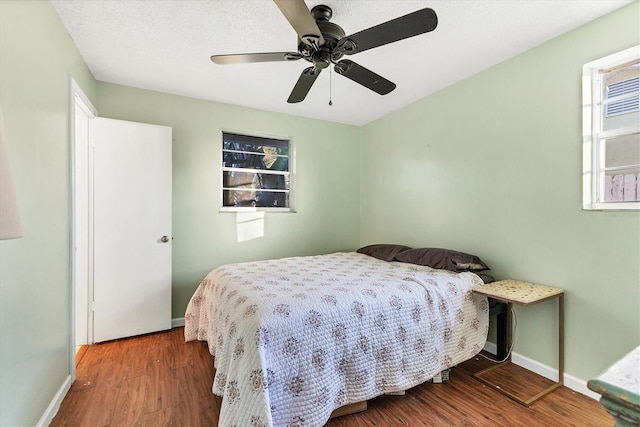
<point>490,165</point>
<point>37,56</point>
<point>493,166</point>
<point>326,180</point>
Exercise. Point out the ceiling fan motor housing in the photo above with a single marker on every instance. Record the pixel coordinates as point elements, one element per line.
<point>323,56</point>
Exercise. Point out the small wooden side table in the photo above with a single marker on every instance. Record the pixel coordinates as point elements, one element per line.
<point>524,293</point>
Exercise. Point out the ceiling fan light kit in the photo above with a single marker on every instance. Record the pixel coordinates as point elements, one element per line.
<point>323,43</point>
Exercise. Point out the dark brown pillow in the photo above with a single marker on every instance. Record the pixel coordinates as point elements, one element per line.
<point>486,278</point>
<point>385,252</point>
<point>445,259</point>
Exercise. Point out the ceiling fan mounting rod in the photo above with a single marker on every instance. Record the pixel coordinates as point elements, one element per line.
<point>321,12</point>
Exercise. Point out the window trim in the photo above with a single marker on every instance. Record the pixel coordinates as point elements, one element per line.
<point>591,117</point>
<point>292,169</point>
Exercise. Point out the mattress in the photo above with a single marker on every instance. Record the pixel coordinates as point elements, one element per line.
<point>295,338</point>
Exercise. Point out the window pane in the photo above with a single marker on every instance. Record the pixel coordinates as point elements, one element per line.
<point>622,151</point>
<point>269,158</point>
<point>233,198</point>
<point>233,179</point>
<point>620,93</point>
<point>622,187</point>
<point>620,121</point>
<point>242,151</point>
<point>234,141</point>
<point>270,199</point>
<point>251,180</point>
<point>256,198</point>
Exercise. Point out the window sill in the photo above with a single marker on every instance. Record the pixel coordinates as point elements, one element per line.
<point>626,206</point>
<point>248,209</point>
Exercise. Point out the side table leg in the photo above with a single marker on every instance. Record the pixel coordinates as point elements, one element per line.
<point>509,329</point>
<point>561,339</point>
<point>501,332</point>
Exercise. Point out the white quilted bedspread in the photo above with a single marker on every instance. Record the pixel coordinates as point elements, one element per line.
<point>295,338</point>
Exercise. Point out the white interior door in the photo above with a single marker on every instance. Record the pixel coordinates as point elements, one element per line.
<point>132,229</point>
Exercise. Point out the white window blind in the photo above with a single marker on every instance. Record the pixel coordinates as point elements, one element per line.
<point>622,97</point>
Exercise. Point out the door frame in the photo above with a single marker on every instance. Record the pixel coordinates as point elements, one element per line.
<point>79,103</point>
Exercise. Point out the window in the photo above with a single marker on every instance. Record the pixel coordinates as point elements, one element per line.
<point>611,131</point>
<point>255,173</point>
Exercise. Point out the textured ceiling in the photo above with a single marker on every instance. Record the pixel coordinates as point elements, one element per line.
<point>165,45</point>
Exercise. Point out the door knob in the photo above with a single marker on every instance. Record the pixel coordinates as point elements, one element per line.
<point>164,239</point>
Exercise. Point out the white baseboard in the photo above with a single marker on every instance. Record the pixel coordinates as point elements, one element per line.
<point>578,385</point>
<point>535,366</point>
<point>175,323</point>
<point>53,407</point>
<point>574,383</point>
<point>491,347</point>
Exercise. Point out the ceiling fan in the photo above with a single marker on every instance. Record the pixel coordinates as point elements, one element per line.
<point>324,43</point>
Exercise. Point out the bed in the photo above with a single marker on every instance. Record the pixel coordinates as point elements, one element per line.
<point>295,338</point>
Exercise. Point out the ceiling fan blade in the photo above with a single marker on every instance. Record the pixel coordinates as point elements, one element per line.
<point>416,23</point>
<point>364,76</point>
<point>242,58</point>
<point>303,85</point>
<point>301,20</point>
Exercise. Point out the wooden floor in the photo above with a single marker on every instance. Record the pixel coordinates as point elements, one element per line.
<point>158,380</point>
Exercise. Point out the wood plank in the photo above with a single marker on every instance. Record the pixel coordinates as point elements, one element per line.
<point>157,418</point>
<point>130,402</point>
<point>507,377</point>
<point>175,389</point>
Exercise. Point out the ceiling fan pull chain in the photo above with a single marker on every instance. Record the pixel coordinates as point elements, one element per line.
<point>330,73</point>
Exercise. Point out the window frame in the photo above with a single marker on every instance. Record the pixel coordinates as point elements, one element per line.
<point>290,173</point>
<point>592,114</point>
